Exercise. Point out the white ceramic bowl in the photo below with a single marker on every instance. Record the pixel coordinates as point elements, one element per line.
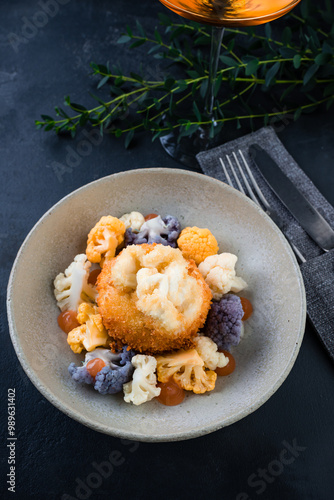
<point>272,335</point>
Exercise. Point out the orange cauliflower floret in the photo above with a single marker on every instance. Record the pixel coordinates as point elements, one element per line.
<point>104,238</point>
<point>188,371</point>
<point>91,333</point>
<point>197,244</point>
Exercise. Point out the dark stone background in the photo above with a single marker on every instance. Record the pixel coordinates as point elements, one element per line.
<point>53,451</point>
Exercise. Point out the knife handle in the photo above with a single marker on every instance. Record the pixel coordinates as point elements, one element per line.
<point>318,275</point>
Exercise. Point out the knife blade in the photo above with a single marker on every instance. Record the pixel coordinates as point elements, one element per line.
<point>307,216</point>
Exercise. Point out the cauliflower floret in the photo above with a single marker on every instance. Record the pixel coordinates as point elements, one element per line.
<point>104,238</point>
<point>142,387</point>
<point>188,371</point>
<point>112,377</point>
<point>91,333</point>
<point>219,273</point>
<point>71,287</point>
<point>133,220</point>
<point>197,243</point>
<point>76,337</point>
<point>80,374</point>
<point>117,371</point>
<point>224,322</point>
<point>164,231</point>
<point>208,351</point>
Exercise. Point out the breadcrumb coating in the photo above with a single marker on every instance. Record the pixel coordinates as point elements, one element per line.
<point>152,299</point>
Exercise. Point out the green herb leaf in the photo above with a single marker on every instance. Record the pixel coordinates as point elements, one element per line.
<point>103,81</point>
<point>310,73</point>
<point>271,73</point>
<point>297,60</point>
<point>124,39</point>
<point>128,138</point>
<point>252,67</point>
<point>229,61</point>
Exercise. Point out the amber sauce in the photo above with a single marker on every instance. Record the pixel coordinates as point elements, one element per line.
<point>150,216</point>
<point>229,368</point>
<point>67,320</point>
<point>93,276</point>
<point>247,308</point>
<point>231,12</point>
<point>171,394</point>
<point>94,366</point>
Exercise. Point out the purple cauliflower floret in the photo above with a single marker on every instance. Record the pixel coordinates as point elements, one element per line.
<point>162,231</point>
<point>174,229</point>
<point>80,374</point>
<point>111,378</point>
<point>132,238</point>
<point>223,324</point>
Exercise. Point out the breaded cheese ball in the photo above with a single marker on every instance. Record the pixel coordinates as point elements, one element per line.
<point>152,299</point>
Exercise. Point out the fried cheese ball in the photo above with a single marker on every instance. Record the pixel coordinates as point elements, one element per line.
<point>152,299</point>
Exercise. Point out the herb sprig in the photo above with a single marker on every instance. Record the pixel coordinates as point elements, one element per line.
<point>293,72</point>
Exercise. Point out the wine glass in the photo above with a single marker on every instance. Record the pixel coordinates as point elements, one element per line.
<point>219,14</point>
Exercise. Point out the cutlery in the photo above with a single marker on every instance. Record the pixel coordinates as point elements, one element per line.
<point>251,193</point>
<point>307,216</point>
<point>317,273</point>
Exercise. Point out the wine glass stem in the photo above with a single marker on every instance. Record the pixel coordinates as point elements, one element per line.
<point>216,41</point>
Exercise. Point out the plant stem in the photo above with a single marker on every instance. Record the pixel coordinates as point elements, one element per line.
<point>216,41</point>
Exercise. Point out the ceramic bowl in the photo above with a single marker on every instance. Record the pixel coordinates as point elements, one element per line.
<point>273,334</point>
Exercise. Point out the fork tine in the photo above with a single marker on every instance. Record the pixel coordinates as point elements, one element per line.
<point>227,175</point>
<point>244,178</point>
<point>255,184</point>
<point>274,216</point>
<point>235,175</point>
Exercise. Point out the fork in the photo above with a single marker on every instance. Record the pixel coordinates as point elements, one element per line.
<point>252,187</point>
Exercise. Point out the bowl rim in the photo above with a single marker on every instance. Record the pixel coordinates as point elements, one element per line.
<point>135,435</point>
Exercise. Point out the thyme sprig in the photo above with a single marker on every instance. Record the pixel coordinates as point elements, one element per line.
<point>292,71</point>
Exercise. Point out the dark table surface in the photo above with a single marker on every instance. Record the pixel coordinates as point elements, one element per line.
<point>54,453</point>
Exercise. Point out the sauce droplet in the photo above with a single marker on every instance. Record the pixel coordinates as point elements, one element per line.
<point>94,366</point>
<point>247,307</point>
<point>67,320</point>
<point>93,276</point>
<point>171,394</point>
<point>229,368</point>
<point>150,216</point>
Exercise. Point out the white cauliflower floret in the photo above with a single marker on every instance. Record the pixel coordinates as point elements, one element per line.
<point>208,351</point>
<point>142,387</point>
<point>72,288</point>
<point>170,296</point>
<point>133,220</point>
<point>219,273</point>
<point>153,229</point>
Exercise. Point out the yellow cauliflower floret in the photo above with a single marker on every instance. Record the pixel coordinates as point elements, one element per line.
<point>187,370</point>
<point>197,244</point>
<point>104,238</point>
<point>76,338</point>
<point>84,311</point>
<point>91,333</point>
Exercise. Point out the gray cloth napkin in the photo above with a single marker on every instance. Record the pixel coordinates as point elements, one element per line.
<point>318,271</point>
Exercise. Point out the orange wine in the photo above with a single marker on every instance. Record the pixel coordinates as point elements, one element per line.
<point>231,12</point>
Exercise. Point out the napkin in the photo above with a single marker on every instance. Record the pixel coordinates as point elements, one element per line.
<point>318,270</point>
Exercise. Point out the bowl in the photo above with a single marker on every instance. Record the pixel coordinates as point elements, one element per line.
<point>273,334</point>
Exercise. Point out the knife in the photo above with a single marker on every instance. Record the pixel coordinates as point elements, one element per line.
<point>307,216</point>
